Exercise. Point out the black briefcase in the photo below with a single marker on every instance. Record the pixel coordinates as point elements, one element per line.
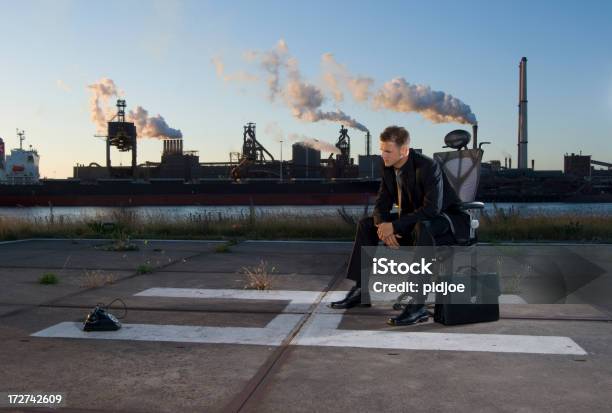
<point>479,303</point>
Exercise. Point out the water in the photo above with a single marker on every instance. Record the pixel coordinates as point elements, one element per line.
<point>525,209</point>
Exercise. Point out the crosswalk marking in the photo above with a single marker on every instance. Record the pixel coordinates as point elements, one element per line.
<point>323,331</point>
<point>270,335</point>
<point>298,300</point>
<point>320,330</point>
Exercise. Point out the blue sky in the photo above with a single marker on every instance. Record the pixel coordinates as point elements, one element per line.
<point>159,54</point>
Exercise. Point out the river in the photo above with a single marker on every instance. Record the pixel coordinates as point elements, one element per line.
<point>524,209</point>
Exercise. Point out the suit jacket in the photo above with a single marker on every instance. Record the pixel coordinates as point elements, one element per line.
<point>426,193</point>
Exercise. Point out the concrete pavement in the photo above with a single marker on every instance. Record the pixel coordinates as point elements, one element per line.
<point>195,340</point>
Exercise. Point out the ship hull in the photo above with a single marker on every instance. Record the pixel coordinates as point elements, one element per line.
<point>68,193</point>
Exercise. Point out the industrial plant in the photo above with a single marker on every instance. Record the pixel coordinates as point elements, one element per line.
<point>253,176</point>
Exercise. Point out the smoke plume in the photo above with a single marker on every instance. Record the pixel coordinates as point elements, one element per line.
<point>284,80</point>
<point>99,108</point>
<point>313,143</point>
<point>240,76</point>
<point>305,99</point>
<point>274,130</point>
<point>271,61</point>
<point>336,76</point>
<point>401,96</point>
<point>151,126</point>
<point>101,112</point>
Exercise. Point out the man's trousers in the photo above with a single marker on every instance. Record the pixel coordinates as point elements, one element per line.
<point>422,234</point>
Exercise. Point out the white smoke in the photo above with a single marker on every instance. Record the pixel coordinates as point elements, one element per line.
<point>151,126</point>
<point>101,112</point>
<point>313,143</point>
<point>336,76</point>
<point>271,61</point>
<point>274,130</point>
<point>305,99</point>
<point>63,85</point>
<point>240,76</point>
<point>283,79</point>
<point>401,96</point>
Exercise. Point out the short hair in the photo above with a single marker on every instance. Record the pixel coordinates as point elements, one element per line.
<point>396,134</point>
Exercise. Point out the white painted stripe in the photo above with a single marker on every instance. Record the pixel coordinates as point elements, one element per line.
<point>298,300</point>
<point>271,335</point>
<point>511,299</point>
<point>323,331</point>
<point>320,330</point>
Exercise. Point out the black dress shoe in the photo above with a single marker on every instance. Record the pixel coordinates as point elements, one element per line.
<point>352,299</point>
<point>412,314</point>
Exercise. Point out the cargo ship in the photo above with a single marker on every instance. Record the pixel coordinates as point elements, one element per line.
<point>254,177</point>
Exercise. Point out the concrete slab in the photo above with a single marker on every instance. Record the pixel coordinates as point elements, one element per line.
<point>179,352</point>
<point>128,289</point>
<point>295,247</point>
<point>125,375</point>
<point>21,286</point>
<point>554,311</point>
<point>343,379</point>
<point>8,308</point>
<point>300,263</point>
<point>90,255</point>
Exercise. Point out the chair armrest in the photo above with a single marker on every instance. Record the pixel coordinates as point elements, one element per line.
<point>471,205</point>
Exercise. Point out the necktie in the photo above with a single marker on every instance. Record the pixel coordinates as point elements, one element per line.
<point>399,192</point>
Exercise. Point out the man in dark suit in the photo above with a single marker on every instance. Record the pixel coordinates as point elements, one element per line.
<point>428,212</point>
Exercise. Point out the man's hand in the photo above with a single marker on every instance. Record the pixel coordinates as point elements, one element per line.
<point>392,242</point>
<point>386,235</point>
<point>385,230</point>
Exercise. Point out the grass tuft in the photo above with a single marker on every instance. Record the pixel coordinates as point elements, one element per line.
<point>48,278</point>
<point>259,277</point>
<point>97,278</point>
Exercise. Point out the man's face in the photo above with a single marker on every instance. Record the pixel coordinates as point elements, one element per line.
<point>392,153</point>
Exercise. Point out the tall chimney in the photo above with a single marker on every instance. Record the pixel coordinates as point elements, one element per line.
<point>108,159</point>
<point>533,164</point>
<point>522,123</point>
<point>475,136</point>
<point>509,163</point>
<point>506,163</point>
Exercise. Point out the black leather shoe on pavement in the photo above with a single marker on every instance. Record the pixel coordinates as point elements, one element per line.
<point>412,314</point>
<point>352,299</point>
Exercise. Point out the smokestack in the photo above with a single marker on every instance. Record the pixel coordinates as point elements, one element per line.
<point>134,160</point>
<point>2,157</point>
<point>522,123</point>
<point>533,164</point>
<point>368,143</point>
<point>475,136</point>
<point>506,163</point>
<point>108,159</point>
<point>509,163</point>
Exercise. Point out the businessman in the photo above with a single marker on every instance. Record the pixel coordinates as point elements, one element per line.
<point>428,212</point>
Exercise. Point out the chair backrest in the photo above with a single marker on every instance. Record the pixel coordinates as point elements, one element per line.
<point>462,169</point>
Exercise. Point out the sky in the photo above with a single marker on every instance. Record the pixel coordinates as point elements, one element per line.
<point>161,54</point>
